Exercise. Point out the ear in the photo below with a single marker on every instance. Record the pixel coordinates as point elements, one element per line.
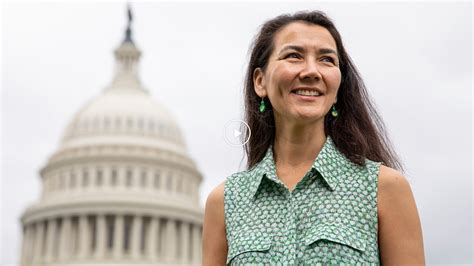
<point>259,82</point>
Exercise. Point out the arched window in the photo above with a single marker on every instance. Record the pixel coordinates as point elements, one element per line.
<point>118,123</point>
<point>129,178</point>
<point>157,180</point>
<point>85,178</point>
<point>99,178</point>
<point>72,180</point>
<point>143,181</point>
<point>129,123</point>
<point>168,182</point>
<point>113,177</point>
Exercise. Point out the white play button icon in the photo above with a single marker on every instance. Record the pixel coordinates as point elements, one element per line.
<point>236,132</point>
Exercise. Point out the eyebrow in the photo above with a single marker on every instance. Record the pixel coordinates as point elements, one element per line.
<point>301,49</point>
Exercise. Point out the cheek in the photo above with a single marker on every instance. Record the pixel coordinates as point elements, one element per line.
<point>283,76</point>
<point>332,79</point>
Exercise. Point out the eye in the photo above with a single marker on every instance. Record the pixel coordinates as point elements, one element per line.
<point>292,55</point>
<point>329,58</point>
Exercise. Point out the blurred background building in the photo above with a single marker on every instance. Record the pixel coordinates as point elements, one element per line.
<point>121,187</point>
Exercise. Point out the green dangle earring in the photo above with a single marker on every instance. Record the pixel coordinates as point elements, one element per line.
<point>334,112</point>
<point>262,106</point>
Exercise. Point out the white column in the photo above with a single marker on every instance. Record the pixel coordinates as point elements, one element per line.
<point>38,256</point>
<point>26,245</point>
<point>118,236</point>
<point>196,243</point>
<point>84,237</point>
<point>152,238</point>
<point>50,238</point>
<point>150,179</point>
<point>135,238</point>
<point>164,180</point>
<point>121,176</point>
<point>31,243</point>
<point>136,178</point>
<point>93,178</point>
<point>23,245</point>
<point>101,240</point>
<point>65,238</point>
<point>185,239</point>
<point>170,243</point>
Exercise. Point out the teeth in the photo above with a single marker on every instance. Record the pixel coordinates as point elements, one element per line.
<point>307,92</point>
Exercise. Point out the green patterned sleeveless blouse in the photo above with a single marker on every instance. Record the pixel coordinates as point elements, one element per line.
<point>329,218</point>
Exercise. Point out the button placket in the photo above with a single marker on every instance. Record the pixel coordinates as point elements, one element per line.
<point>292,230</point>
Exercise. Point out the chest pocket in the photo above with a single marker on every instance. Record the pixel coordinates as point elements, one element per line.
<point>338,238</point>
<point>249,247</point>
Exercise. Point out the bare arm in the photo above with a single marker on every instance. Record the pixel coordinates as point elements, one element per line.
<point>400,234</point>
<point>214,247</point>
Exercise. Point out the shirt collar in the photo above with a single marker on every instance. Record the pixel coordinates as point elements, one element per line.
<point>330,164</point>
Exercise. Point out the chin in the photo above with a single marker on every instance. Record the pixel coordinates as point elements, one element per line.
<point>308,117</point>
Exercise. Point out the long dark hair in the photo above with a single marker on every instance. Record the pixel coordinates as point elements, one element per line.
<point>358,131</point>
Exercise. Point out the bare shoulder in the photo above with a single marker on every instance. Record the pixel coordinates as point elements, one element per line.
<point>214,242</point>
<point>393,187</point>
<point>216,196</point>
<point>391,182</point>
<point>400,233</point>
<point>214,209</point>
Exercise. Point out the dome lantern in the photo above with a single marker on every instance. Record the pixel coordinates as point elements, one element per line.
<point>127,57</point>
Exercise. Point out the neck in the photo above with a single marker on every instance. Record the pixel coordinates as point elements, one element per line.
<point>298,145</point>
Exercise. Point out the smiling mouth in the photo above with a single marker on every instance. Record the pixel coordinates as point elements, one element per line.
<point>312,93</point>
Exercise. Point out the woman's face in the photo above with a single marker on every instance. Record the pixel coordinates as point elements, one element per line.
<point>302,75</point>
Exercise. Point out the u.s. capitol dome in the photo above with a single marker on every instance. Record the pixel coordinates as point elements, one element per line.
<point>121,188</point>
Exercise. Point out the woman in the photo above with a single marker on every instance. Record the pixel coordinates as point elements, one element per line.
<point>321,187</point>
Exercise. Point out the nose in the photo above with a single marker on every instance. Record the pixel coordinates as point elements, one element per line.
<point>310,70</point>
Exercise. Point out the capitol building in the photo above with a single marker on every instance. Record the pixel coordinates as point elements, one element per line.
<point>121,188</point>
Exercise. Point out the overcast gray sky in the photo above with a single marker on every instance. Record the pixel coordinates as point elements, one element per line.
<point>416,60</point>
